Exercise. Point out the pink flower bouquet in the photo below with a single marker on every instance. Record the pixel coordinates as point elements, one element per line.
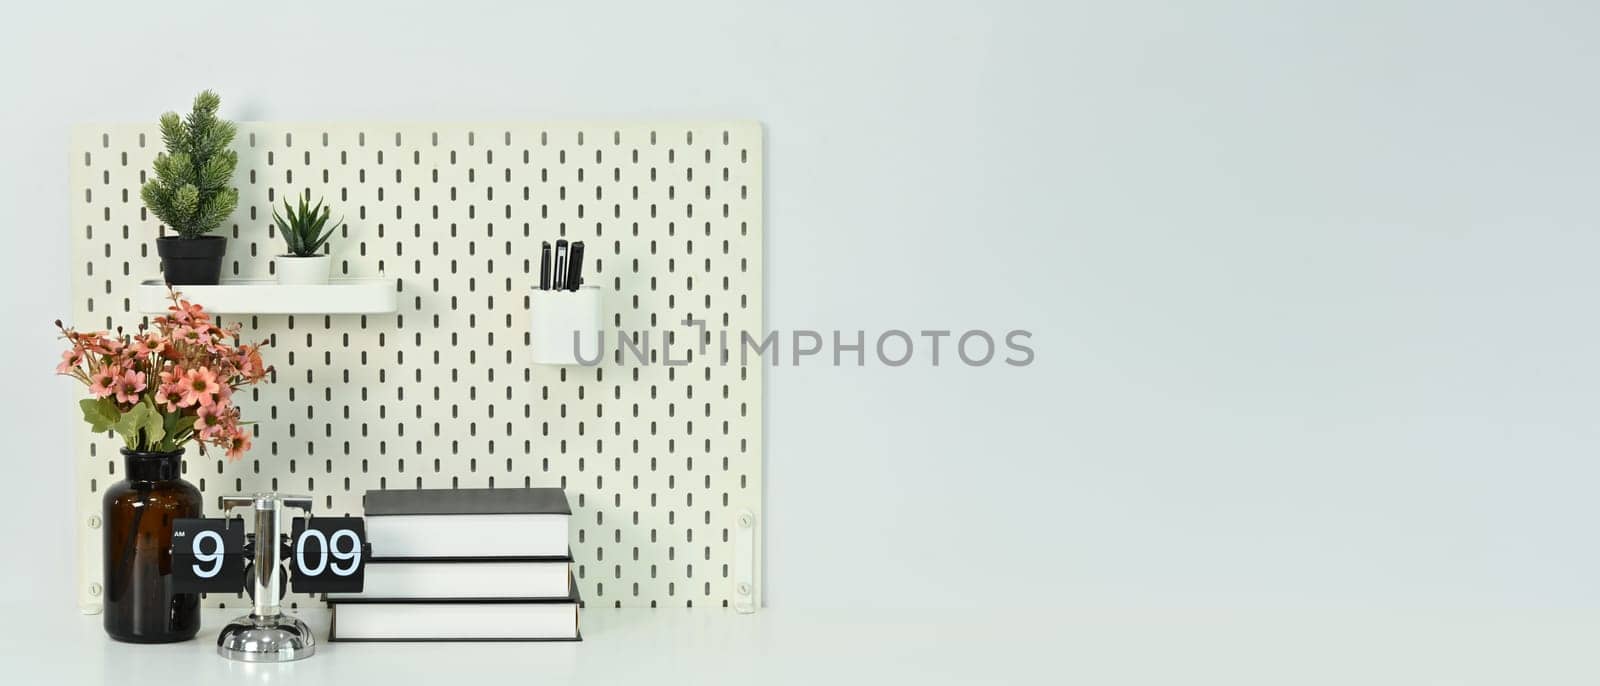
<point>160,389</point>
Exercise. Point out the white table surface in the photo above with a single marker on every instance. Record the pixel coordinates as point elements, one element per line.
<point>781,646</point>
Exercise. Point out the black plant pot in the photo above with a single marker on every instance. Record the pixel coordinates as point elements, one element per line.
<point>191,261</point>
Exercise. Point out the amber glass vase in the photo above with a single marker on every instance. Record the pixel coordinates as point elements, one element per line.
<point>140,606</point>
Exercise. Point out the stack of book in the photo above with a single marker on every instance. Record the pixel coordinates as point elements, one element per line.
<point>489,564</point>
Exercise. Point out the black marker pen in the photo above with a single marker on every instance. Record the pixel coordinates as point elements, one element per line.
<point>544,267</point>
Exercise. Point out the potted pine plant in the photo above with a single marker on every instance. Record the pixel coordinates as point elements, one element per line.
<point>191,192</point>
<point>305,231</point>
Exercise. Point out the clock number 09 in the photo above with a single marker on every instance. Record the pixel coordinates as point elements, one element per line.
<point>329,546</point>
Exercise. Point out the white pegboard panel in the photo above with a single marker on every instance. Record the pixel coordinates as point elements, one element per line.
<point>658,461</point>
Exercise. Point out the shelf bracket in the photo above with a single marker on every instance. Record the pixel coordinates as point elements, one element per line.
<point>744,563</point>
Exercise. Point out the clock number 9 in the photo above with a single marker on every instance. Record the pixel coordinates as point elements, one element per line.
<point>328,546</point>
<point>213,558</point>
<point>207,555</point>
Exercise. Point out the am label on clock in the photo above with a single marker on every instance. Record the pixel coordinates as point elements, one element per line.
<point>208,555</point>
<point>328,554</point>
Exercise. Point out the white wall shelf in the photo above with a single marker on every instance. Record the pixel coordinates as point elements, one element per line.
<point>265,296</point>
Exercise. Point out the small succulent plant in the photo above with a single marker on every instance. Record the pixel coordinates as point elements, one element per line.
<point>302,226</point>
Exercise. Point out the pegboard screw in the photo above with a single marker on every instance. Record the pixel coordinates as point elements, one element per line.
<point>746,521</point>
<point>95,589</point>
<point>94,521</point>
<point>744,589</point>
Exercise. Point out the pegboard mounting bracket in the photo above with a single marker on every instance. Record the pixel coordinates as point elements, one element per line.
<point>744,563</point>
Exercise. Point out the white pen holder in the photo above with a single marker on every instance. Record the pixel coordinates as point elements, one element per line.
<point>561,318</point>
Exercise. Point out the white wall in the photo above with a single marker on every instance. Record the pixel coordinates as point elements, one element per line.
<point>1312,284</point>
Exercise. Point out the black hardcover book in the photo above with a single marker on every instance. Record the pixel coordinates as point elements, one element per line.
<point>524,578</point>
<point>468,523</point>
<point>468,501</point>
<point>440,619</point>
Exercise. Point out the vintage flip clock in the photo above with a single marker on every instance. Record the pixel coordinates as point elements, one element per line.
<point>320,555</point>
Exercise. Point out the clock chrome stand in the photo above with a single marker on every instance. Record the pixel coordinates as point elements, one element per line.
<point>267,634</point>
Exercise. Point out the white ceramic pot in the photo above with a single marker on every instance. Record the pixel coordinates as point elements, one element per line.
<point>302,270</point>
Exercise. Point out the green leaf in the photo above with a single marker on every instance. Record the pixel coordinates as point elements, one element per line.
<point>225,131</point>
<point>141,418</point>
<point>322,240</point>
<point>285,229</point>
<point>180,430</point>
<point>178,169</point>
<point>155,427</point>
<point>185,202</point>
<point>130,423</point>
<point>172,131</point>
<point>227,201</point>
<point>215,174</point>
<point>100,413</point>
<point>156,198</point>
